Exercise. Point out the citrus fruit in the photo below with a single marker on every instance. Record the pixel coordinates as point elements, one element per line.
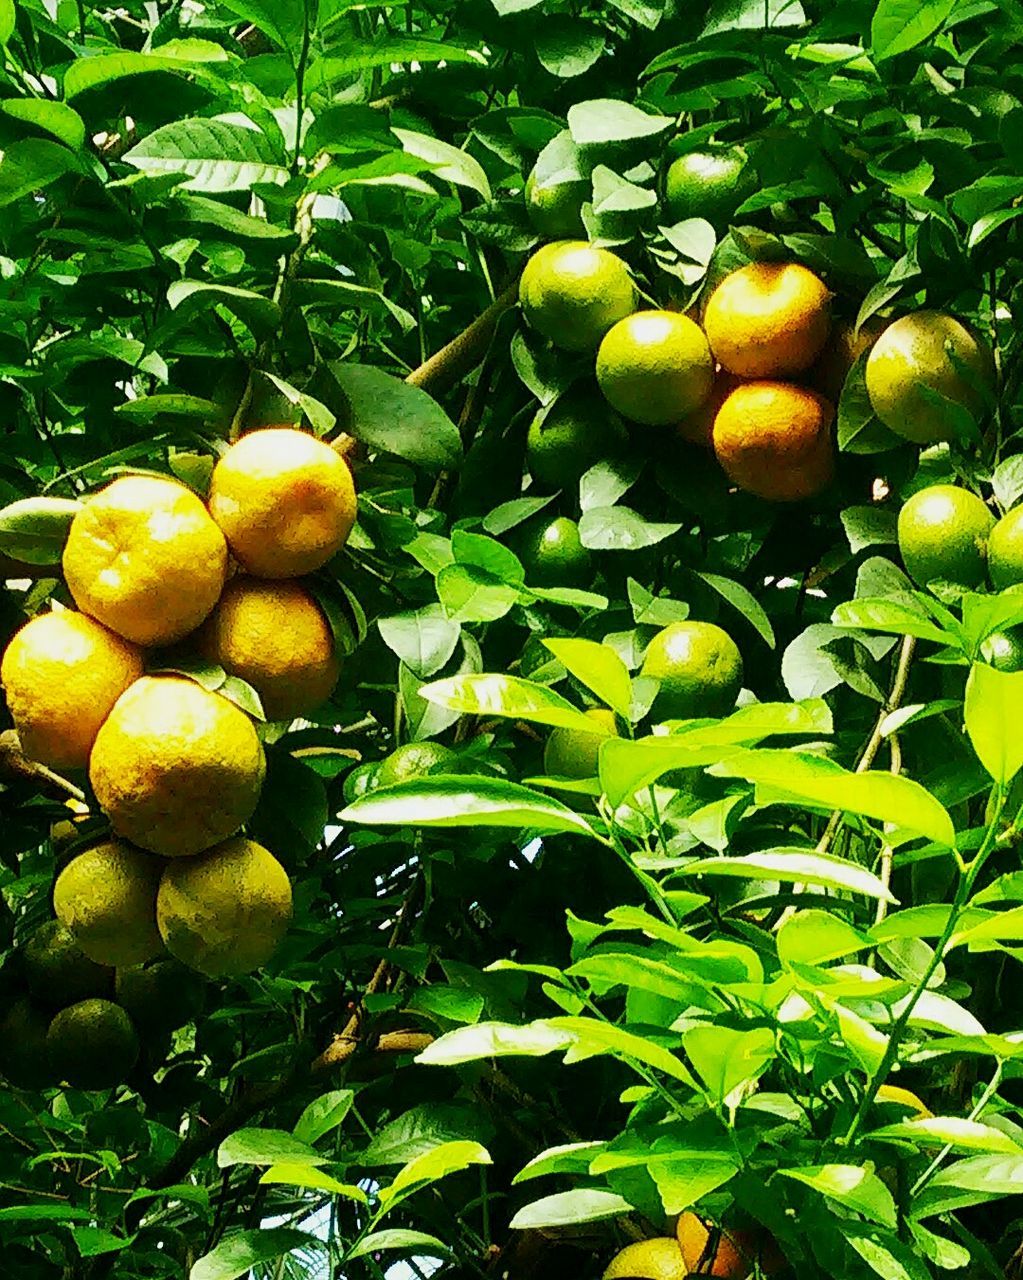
<point>841,351</point>
<point>144,558</point>
<point>578,432</point>
<point>943,533</point>
<point>920,362</point>
<point>554,210</point>
<point>224,912</point>
<point>160,996</point>
<point>24,1057</point>
<point>62,673</point>
<point>708,184</point>
<point>573,293</point>
<point>285,501</point>
<point>1005,550</point>
<point>413,760</point>
<point>768,319</point>
<point>1004,649</point>
<point>362,779</point>
<point>106,897</point>
<point>773,439</point>
<point>654,367</point>
<point>274,636</point>
<point>722,1252</point>
<point>699,668</point>
<point>57,970</point>
<point>657,1259</point>
<point>554,556</point>
<point>698,427</point>
<point>176,768</point>
<point>573,753</point>
<point>92,1044</point>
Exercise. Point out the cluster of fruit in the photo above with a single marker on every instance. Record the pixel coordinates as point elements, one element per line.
<point>697,1248</point>
<point>69,1018</point>
<point>177,767</point>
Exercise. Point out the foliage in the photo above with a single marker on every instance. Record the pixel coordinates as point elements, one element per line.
<point>512,1006</point>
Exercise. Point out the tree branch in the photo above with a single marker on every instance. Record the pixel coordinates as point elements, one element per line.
<point>446,366</point>
<point>15,766</point>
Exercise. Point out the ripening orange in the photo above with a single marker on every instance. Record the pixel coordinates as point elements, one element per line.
<point>768,320</point>
<point>724,1252</point>
<point>773,439</point>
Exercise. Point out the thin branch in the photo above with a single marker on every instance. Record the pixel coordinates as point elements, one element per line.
<point>452,362</point>
<point>15,766</point>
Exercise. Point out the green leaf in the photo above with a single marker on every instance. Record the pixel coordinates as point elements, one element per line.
<point>266,1146</point>
<point>815,937</point>
<point>881,796</point>
<point>311,1179</point>
<point>237,1254</point>
<point>365,55</point>
<point>620,529</point>
<point>470,594</point>
<point>512,696</point>
<point>464,801</point>
<point>752,15</point>
<point>894,616</point>
<point>399,1239</point>
<point>567,1207</point>
<point>494,1040</point>
<point>447,162</point>
<point>8,18</point>
<point>794,866</point>
<point>389,415</point>
<point>93,1242</point>
<point>568,47</point>
<point>602,120</point>
<point>176,55</point>
<point>35,529</point>
<point>323,1114</point>
<point>424,639</point>
<point>31,165</point>
<point>726,1058</point>
<point>53,1211</point>
<point>900,25</point>
<point>599,668</point>
<point>261,315</point>
<point>745,602</point>
<point>213,155</point>
<point>993,711</point>
<point>281,20</point>
<point>569,1157</point>
<point>57,118</point>
<point>449,1157</point>
<point>953,1131</point>
<point>849,1185</point>
<point>149,408</point>
<point>607,480</point>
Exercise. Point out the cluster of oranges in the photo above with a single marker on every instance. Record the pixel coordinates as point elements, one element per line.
<point>176,766</point>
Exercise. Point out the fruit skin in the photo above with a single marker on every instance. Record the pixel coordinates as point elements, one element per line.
<point>726,1253</point>
<point>1005,550</point>
<point>1003,650</point>
<point>707,184</point>
<point>698,427</point>
<point>699,667</point>
<point>24,1056</point>
<point>92,1045</point>
<point>943,533</point>
<point>57,970</point>
<point>274,636</point>
<point>922,353</point>
<point>655,367</point>
<point>176,768</point>
<point>773,439</point>
<point>62,672</point>
<point>573,293</point>
<point>555,211</point>
<point>285,501</point>
<point>144,558</point>
<point>656,1259</point>
<point>413,760</point>
<point>554,556</point>
<point>577,433</point>
<point>841,351</point>
<point>106,897</point>
<point>571,753</point>
<point>224,912</point>
<point>768,319</point>
<point>160,996</point>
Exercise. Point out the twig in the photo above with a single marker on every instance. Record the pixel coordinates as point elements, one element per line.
<point>16,766</point>
<point>463,353</point>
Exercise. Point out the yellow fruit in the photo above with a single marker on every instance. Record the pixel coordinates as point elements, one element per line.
<point>1005,550</point>
<point>285,501</point>
<point>106,897</point>
<point>773,439</point>
<point>768,319</point>
<point>571,753</point>
<point>698,427</point>
<point>699,667</point>
<point>943,533</point>
<point>62,673</point>
<point>654,367</point>
<point>573,293</point>
<point>274,636</point>
<point>92,1045</point>
<point>919,363</point>
<point>145,559</point>
<point>657,1259</point>
<point>225,912</point>
<point>176,768</point>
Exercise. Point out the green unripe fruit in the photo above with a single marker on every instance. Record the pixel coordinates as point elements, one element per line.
<point>573,293</point>
<point>92,1045</point>
<point>554,556</point>
<point>555,211</point>
<point>699,668</point>
<point>707,184</point>
<point>943,534</point>
<point>107,899</point>
<point>57,970</point>
<point>573,753</point>
<point>1005,550</point>
<point>24,1056</point>
<point>160,996</point>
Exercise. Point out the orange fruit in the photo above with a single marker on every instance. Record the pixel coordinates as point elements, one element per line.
<point>768,319</point>
<point>841,351</point>
<point>773,439</point>
<point>724,1252</point>
<point>698,427</point>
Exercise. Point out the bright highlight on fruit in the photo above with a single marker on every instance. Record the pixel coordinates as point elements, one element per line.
<point>655,367</point>
<point>657,1259</point>
<point>768,320</point>
<point>943,534</point>
<point>699,668</point>
<point>573,293</point>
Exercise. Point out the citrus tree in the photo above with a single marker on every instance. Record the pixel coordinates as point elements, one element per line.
<point>645,896</point>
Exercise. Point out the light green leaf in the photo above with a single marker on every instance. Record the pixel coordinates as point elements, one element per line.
<point>424,639</point>
<point>35,529</point>
<point>794,866</point>
<point>621,529</point>
<point>215,213</point>
<point>8,19</point>
<point>30,165</point>
<point>821,782</point>
<point>389,415</point>
<point>994,716</point>
<point>599,668</point>
<point>511,696</point>
<point>448,163</point>
<point>602,120</point>
<point>815,937</point>
<point>266,1146</point>
<point>323,1114</point>
<point>953,1131</point>
<point>850,1185</point>
<point>310,1179</point>
<point>900,25</point>
<point>494,1040</point>
<point>726,1058</point>
<point>570,1157</point>
<point>590,1038</point>
<point>893,616</point>
<point>399,1239</point>
<point>213,155</point>
<point>745,602</point>
<point>149,408</point>
<point>561,1210</point>
<point>449,1157</point>
<point>237,1254</point>
<point>464,801</point>
<point>57,118</point>
<point>176,55</point>
<point>261,315</point>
